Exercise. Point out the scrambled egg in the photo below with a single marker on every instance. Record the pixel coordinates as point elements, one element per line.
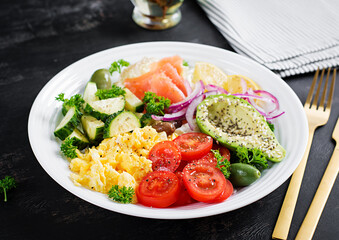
<point>120,160</point>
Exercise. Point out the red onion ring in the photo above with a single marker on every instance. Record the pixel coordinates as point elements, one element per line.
<point>171,116</point>
<point>270,95</point>
<point>199,89</point>
<point>267,97</point>
<point>191,110</point>
<point>207,94</point>
<point>243,85</point>
<point>188,87</point>
<point>211,87</point>
<point>270,118</point>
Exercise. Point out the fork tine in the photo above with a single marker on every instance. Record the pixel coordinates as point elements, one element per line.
<point>310,92</point>
<point>323,96</point>
<point>315,101</point>
<point>330,96</point>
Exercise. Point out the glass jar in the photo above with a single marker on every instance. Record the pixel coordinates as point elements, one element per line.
<point>157,14</point>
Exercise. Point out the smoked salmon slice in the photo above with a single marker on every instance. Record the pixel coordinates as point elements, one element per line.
<point>163,86</point>
<point>139,85</point>
<point>173,74</point>
<point>175,61</point>
<point>164,79</point>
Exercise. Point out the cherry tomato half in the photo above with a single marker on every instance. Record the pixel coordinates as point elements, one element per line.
<point>165,156</point>
<point>225,194</point>
<point>184,198</point>
<point>193,145</point>
<point>223,151</point>
<point>208,158</point>
<point>158,189</point>
<point>203,181</point>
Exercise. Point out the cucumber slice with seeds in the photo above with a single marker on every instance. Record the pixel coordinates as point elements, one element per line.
<point>89,94</point>
<point>139,115</point>
<point>93,127</point>
<point>133,103</point>
<point>124,121</point>
<point>80,139</point>
<point>67,124</point>
<point>102,109</point>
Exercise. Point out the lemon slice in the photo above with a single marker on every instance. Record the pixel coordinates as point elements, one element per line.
<point>234,84</point>
<point>209,74</point>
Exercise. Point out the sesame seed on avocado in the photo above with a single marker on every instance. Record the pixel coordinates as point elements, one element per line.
<point>234,123</point>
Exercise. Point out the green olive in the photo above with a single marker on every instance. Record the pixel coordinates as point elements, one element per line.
<point>243,174</point>
<point>102,78</point>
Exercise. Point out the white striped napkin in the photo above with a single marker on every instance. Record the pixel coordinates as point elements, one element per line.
<point>289,37</point>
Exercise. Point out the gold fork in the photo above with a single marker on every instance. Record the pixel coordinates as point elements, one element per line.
<point>316,116</point>
<point>311,220</point>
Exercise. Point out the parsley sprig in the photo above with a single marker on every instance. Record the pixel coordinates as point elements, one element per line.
<point>155,104</point>
<point>222,163</point>
<point>121,194</point>
<point>68,148</point>
<point>75,101</point>
<point>7,184</point>
<point>117,65</point>
<point>115,91</point>
<point>254,157</point>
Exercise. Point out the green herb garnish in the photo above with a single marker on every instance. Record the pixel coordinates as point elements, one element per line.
<point>254,157</point>
<point>115,91</point>
<point>121,194</point>
<point>75,101</point>
<point>155,104</point>
<point>117,65</point>
<point>7,184</point>
<point>185,63</point>
<point>68,149</point>
<point>222,163</point>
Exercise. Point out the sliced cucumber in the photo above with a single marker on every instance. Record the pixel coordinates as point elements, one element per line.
<point>146,119</point>
<point>102,109</point>
<point>133,103</point>
<point>124,121</point>
<point>67,124</point>
<point>65,109</point>
<point>93,127</point>
<point>89,94</point>
<point>139,115</point>
<point>80,139</point>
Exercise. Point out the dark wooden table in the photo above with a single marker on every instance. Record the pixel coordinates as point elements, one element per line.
<point>40,38</point>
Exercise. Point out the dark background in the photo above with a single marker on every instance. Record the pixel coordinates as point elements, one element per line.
<point>40,38</point>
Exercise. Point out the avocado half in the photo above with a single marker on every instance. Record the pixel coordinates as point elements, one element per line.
<point>233,122</point>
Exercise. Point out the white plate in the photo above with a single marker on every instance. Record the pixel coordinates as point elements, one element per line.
<point>291,128</point>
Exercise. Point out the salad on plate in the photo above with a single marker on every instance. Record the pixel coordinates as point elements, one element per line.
<point>164,133</point>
